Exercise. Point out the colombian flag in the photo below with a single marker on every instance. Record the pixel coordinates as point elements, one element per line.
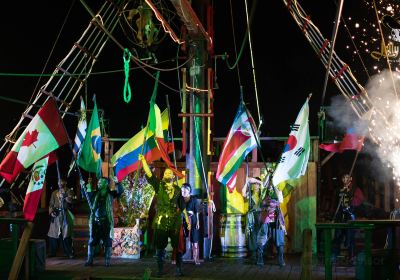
<point>126,160</point>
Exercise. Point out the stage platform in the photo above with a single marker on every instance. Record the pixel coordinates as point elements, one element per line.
<point>60,268</point>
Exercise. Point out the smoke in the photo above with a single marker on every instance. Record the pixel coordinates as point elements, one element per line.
<point>344,116</point>
<point>381,125</point>
<point>384,121</point>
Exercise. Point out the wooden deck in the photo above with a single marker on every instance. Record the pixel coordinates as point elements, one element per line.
<point>219,268</point>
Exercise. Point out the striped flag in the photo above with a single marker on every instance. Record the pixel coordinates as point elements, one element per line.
<point>240,141</point>
<point>125,160</point>
<point>294,158</point>
<point>80,134</point>
<point>81,130</point>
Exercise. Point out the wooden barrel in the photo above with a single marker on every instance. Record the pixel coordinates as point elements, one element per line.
<point>233,237</point>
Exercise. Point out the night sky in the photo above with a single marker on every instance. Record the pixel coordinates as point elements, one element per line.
<point>287,69</point>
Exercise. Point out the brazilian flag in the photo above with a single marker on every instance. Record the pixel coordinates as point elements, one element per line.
<point>90,156</point>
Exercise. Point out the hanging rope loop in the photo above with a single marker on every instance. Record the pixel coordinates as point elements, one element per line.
<point>127,87</point>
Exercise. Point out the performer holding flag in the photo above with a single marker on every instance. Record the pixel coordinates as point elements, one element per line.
<point>292,165</point>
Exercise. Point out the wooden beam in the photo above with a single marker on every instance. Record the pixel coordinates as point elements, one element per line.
<point>325,160</point>
<point>207,115</point>
<point>22,249</point>
<point>306,257</point>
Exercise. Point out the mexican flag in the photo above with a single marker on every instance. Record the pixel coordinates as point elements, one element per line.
<point>44,134</point>
<point>35,188</point>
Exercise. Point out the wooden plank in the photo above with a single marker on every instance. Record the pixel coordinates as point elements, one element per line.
<point>386,197</point>
<point>22,249</point>
<point>312,179</point>
<point>396,197</point>
<point>43,197</point>
<point>377,198</point>
<point>306,258</point>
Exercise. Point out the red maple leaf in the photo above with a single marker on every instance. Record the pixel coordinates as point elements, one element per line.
<point>30,138</point>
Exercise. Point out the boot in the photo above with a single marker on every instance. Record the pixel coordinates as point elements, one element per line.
<point>179,272</point>
<point>195,251</point>
<point>160,261</point>
<point>107,256</point>
<point>260,257</point>
<point>89,261</point>
<point>281,260</point>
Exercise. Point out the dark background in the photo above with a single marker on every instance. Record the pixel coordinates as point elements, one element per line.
<point>287,68</point>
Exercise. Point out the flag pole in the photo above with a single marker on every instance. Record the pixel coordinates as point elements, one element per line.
<point>61,197</point>
<point>354,163</point>
<point>76,163</point>
<point>74,155</point>
<point>252,128</point>
<point>172,134</point>
<point>152,100</point>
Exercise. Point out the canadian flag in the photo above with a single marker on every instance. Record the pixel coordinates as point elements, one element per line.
<point>44,134</point>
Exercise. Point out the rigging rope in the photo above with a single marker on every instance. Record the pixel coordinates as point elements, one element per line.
<point>127,88</point>
<point>137,61</point>
<point>355,47</point>
<point>234,44</point>
<point>97,73</point>
<point>333,41</point>
<point>238,56</point>
<point>51,51</point>
<point>65,89</point>
<point>252,63</point>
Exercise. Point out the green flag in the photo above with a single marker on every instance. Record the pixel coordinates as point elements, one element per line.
<point>90,156</point>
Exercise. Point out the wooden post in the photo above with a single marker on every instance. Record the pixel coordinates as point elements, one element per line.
<point>377,195</point>
<point>22,249</point>
<point>386,196</point>
<point>14,238</point>
<point>254,155</point>
<point>105,167</point>
<point>306,257</point>
<point>368,253</point>
<point>327,234</point>
<point>43,197</point>
<point>396,197</point>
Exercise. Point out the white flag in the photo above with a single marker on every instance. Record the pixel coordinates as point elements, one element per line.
<point>294,158</point>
